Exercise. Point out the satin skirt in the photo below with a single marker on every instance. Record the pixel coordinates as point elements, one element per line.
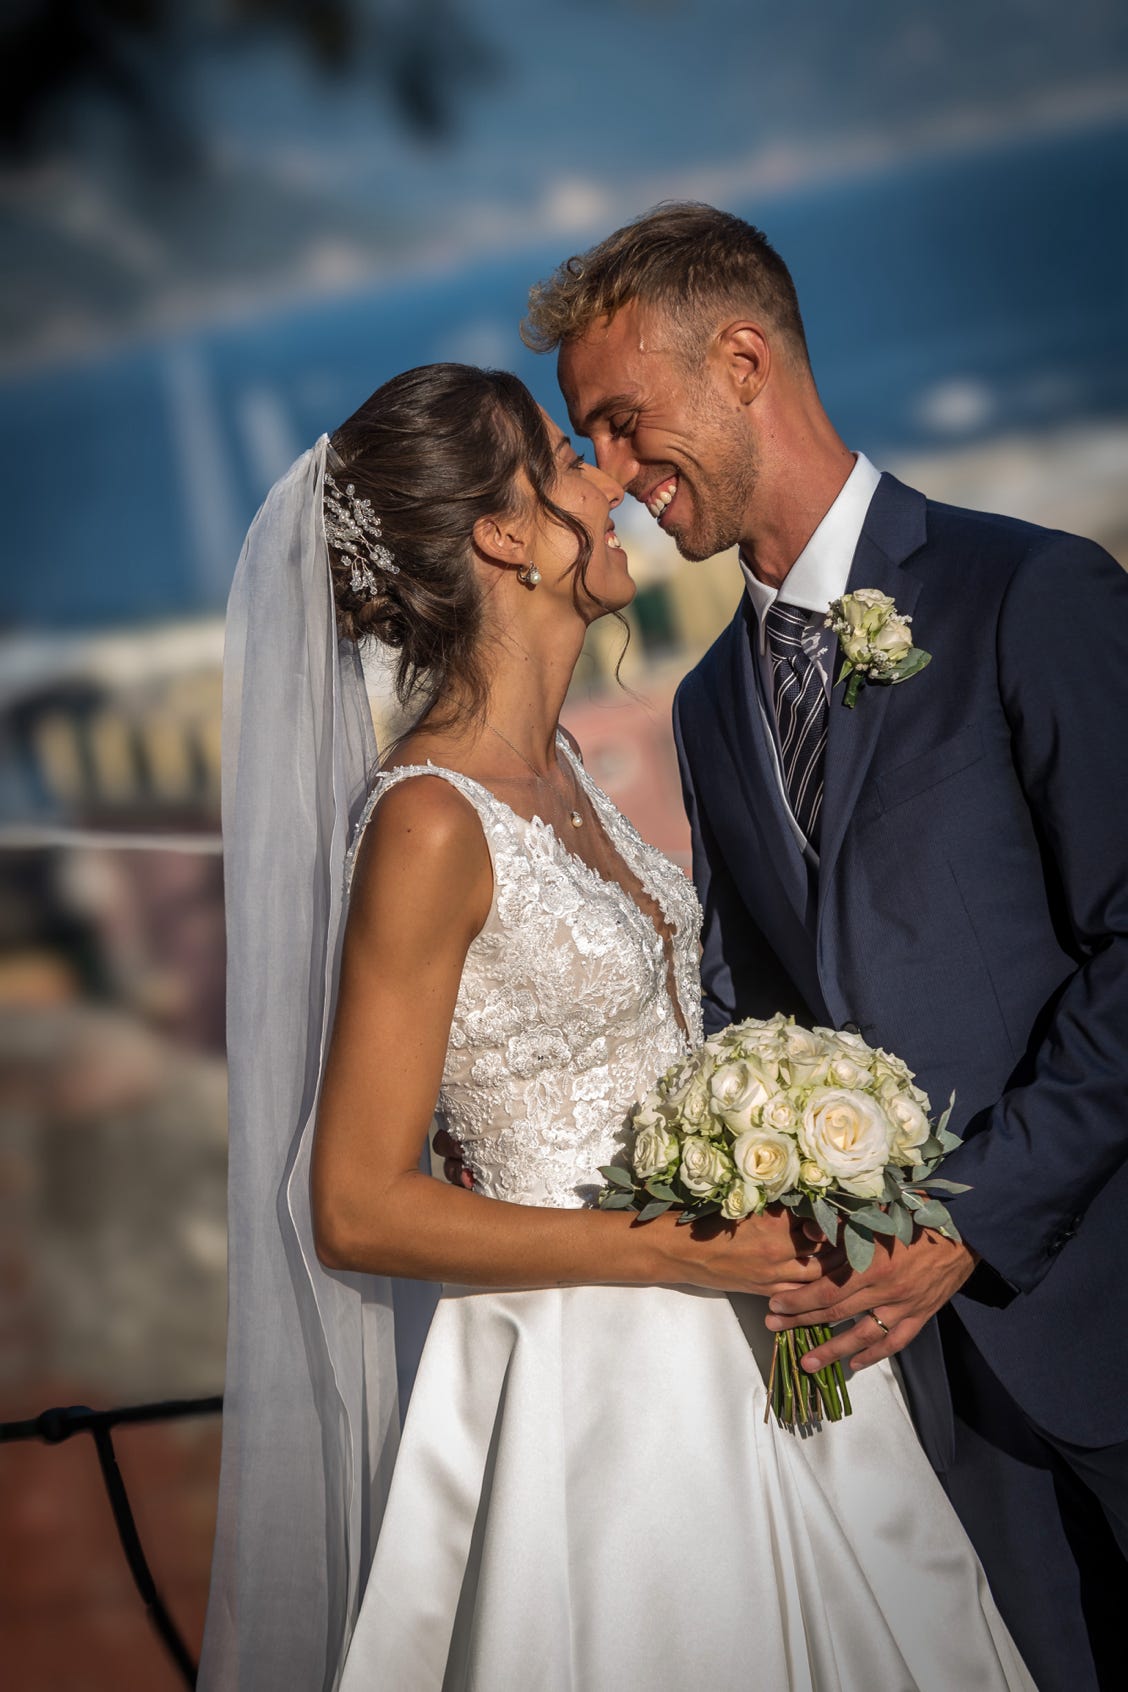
<point>587,1499</point>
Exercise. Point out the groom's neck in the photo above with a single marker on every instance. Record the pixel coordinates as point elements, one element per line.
<point>802,465</point>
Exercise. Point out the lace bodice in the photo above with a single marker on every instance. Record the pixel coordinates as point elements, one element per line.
<point>564,1016</point>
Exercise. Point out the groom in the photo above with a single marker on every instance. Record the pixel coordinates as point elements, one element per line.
<point>942,867</point>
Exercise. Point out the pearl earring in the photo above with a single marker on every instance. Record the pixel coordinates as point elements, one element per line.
<point>528,575</point>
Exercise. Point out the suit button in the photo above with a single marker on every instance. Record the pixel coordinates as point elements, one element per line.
<point>850,1028</point>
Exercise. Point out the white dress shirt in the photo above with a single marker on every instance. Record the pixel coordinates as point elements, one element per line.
<point>818,575</point>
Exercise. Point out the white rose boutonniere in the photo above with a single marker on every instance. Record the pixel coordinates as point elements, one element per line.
<point>875,639</point>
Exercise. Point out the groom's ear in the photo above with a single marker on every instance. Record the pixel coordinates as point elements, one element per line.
<point>503,540</point>
<point>742,356</point>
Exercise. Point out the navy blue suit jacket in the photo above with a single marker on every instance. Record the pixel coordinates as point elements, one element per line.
<point>970,913</point>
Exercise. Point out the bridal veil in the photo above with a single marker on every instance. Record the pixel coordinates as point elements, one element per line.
<point>311,1417</point>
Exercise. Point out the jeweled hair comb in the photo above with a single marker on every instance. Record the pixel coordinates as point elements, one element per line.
<point>354,529</point>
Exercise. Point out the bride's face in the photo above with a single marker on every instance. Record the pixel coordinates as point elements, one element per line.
<point>591,495</point>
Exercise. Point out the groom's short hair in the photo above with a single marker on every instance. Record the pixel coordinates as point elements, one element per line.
<point>691,261</point>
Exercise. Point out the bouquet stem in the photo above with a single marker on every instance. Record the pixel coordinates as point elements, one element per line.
<point>801,1401</point>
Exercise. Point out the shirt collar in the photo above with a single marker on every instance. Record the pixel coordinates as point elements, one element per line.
<point>822,569</point>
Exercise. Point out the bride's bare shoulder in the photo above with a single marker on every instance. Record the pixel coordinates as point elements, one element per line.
<point>424,843</point>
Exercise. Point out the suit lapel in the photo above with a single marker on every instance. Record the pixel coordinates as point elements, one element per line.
<point>894,529</point>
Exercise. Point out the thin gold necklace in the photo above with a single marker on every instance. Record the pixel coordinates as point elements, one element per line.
<point>574,816</point>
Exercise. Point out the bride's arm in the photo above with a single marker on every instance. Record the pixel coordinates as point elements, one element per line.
<point>421,892</point>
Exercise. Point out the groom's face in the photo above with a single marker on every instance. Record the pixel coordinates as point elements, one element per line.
<point>673,435</point>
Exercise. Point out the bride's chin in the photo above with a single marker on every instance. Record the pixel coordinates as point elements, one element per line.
<point>616,596</point>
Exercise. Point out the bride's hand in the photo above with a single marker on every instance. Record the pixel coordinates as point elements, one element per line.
<point>764,1254</point>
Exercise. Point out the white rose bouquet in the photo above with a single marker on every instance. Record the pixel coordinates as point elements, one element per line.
<point>812,1119</point>
<point>875,641</point>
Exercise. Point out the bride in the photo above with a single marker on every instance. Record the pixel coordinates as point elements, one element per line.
<point>585,1494</point>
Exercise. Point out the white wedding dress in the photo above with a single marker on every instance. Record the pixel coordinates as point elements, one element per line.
<point>586,1496</point>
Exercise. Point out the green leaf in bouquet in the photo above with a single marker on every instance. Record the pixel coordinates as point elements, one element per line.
<point>827,1218</point>
<point>941,1184</point>
<point>876,1220</point>
<point>616,1201</point>
<point>903,1222</point>
<point>891,1193</point>
<point>859,1246</point>
<point>948,1142</point>
<point>943,1122</point>
<point>932,1214</point>
<point>912,1200</point>
<point>845,671</point>
<point>659,1190</point>
<point>932,1148</point>
<point>792,1201</point>
<point>698,1213</point>
<point>656,1207</point>
<point>849,1201</point>
<point>617,1177</point>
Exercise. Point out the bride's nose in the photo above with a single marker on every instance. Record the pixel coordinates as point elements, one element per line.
<point>610,488</point>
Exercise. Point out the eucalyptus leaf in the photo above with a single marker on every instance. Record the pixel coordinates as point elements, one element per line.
<point>892,1190</point>
<point>943,1122</point>
<point>865,1217</point>
<point>659,1190</point>
<point>903,1221</point>
<point>827,1218</point>
<point>617,1201</point>
<point>878,1220</point>
<point>697,1214</point>
<point>859,1246</point>
<point>791,1200</point>
<point>618,1177</point>
<point>846,670</point>
<point>940,1184</point>
<point>932,1214</point>
<point>656,1207</point>
<point>912,1200</point>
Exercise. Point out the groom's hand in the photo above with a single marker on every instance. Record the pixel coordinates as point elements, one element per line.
<point>454,1169</point>
<point>904,1285</point>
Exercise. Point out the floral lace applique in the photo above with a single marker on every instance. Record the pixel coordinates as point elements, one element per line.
<point>564,1016</point>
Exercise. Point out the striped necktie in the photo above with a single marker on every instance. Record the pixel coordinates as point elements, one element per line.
<point>802,714</point>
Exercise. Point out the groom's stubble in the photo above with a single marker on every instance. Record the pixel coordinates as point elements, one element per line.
<point>724,488</point>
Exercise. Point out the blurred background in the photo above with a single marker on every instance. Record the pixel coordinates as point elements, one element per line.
<point>225,223</point>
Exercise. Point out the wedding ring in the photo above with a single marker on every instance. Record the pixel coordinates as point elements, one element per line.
<point>877,1319</point>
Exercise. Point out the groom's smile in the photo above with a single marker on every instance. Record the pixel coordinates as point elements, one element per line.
<point>660,497</point>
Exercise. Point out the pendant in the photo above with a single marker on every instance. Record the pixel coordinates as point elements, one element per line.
<point>575,819</point>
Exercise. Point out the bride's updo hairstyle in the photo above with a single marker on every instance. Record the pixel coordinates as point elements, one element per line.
<point>434,450</point>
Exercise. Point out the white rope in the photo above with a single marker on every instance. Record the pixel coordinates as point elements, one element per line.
<point>30,837</point>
